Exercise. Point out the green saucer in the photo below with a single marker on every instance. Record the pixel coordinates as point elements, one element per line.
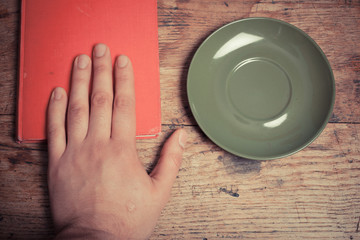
<point>261,88</point>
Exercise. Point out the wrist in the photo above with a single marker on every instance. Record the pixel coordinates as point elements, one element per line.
<point>73,233</point>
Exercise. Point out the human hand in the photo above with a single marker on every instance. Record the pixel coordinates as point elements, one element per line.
<point>98,187</point>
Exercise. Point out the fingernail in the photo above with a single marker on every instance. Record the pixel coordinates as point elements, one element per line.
<point>57,95</point>
<point>122,61</point>
<point>100,50</point>
<point>182,138</point>
<point>83,61</point>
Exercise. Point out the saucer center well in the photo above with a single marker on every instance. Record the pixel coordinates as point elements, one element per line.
<point>258,89</point>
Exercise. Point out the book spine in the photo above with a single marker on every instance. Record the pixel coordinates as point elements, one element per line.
<point>158,67</point>
<point>19,125</point>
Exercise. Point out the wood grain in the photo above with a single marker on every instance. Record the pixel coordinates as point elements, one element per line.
<point>9,39</point>
<point>314,194</point>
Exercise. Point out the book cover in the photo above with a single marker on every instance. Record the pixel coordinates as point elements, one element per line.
<point>53,33</point>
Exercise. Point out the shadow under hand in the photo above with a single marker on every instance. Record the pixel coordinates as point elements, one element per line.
<point>238,165</point>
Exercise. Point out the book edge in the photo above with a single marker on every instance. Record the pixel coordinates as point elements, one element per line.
<point>19,124</point>
<point>138,137</point>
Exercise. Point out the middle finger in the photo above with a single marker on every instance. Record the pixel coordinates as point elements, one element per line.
<point>102,93</point>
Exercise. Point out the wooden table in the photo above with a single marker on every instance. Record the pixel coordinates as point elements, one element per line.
<point>314,194</point>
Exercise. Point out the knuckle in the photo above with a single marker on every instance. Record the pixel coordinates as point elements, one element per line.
<point>81,78</point>
<point>100,99</point>
<point>124,103</point>
<point>98,149</point>
<point>77,110</point>
<point>53,131</point>
<point>175,159</point>
<point>123,77</point>
<point>100,68</point>
<point>77,114</point>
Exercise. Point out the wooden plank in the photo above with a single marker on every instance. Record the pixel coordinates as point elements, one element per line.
<point>312,194</point>
<point>9,32</point>
<point>183,25</point>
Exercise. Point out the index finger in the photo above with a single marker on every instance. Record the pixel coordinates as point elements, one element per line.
<point>124,120</point>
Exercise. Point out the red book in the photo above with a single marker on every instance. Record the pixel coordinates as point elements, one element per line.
<point>53,33</point>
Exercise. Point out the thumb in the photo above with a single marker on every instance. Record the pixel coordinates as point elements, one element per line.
<point>167,168</point>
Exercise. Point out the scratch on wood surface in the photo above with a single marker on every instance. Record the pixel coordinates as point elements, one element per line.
<point>4,15</point>
<point>319,17</point>
<point>302,218</point>
<point>170,17</point>
<point>336,137</point>
<point>4,12</point>
<point>229,192</point>
<point>14,161</point>
<point>334,118</point>
<point>354,63</point>
<point>297,211</point>
<point>357,225</point>
<point>343,153</point>
<point>357,88</point>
